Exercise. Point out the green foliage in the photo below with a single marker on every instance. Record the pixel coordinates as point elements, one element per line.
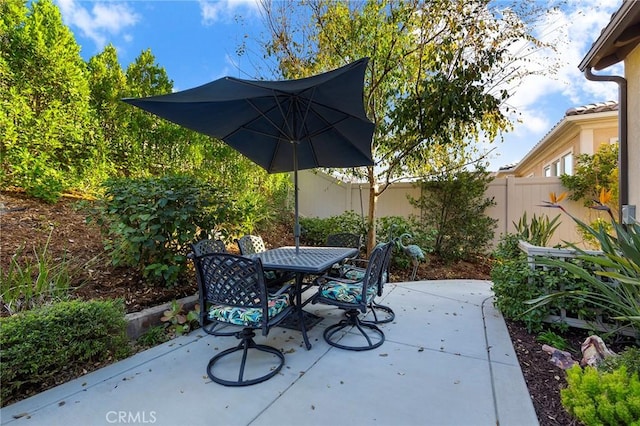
<point>154,336</point>
<point>596,398</point>
<point>454,206</point>
<point>177,322</point>
<point>629,358</point>
<point>49,140</point>
<point>596,223</point>
<point>391,227</point>
<point>594,173</point>
<point>511,278</point>
<point>37,346</point>
<point>151,221</point>
<point>552,339</point>
<point>539,231</point>
<point>314,231</point>
<point>28,283</point>
<point>612,280</point>
<point>515,283</point>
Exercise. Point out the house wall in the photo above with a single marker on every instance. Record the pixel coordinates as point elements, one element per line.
<point>576,134</point>
<point>632,73</point>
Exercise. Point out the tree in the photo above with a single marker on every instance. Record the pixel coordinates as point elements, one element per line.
<point>108,84</point>
<point>595,181</point>
<point>49,141</point>
<point>593,173</point>
<point>438,74</point>
<point>149,135</point>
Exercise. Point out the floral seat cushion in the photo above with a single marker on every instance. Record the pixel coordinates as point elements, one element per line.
<point>357,274</point>
<point>346,292</point>
<point>248,316</point>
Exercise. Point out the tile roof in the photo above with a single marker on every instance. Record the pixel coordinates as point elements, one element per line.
<point>593,108</point>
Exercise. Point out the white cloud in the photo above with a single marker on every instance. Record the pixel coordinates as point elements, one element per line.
<point>219,10</point>
<point>572,30</point>
<point>104,19</point>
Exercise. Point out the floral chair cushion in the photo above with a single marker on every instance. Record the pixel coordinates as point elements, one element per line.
<point>346,292</point>
<point>357,274</point>
<point>248,316</point>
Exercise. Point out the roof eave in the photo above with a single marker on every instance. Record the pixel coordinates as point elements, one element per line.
<point>606,50</point>
<point>562,127</point>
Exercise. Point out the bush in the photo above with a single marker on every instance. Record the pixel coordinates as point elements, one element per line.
<point>515,283</point>
<point>610,280</point>
<point>314,231</point>
<point>454,205</point>
<point>597,398</point>
<point>151,221</point>
<point>394,226</point>
<point>629,358</point>
<point>39,345</point>
<point>512,277</point>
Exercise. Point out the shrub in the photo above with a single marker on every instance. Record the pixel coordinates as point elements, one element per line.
<point>539,231</point>
<point>38,175</point>
<point>454,205</point>
<point>611,280</point>
<point>629,358</point>
<point>394,226</point>
<point>515,283</point>
<point>37,346</point>
<point>314,231</point>
<point>151,221</point>
<point>597,398</point>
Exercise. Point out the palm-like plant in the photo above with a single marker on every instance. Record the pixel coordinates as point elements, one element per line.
<point>614,276</point>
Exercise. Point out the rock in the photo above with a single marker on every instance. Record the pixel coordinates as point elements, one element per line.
<point>594,351</point>
<point>561,359</point>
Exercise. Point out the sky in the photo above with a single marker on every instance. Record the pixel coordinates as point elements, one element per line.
<point>196,42</point>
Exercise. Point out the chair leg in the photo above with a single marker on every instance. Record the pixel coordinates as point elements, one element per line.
<point>387,314</point>
<point>246,343</point>
<point>353,321</point>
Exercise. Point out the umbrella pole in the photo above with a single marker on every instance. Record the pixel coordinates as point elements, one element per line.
<point>296,227</point>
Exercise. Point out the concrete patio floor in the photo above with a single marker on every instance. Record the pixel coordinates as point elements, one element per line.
<point>447,360</point>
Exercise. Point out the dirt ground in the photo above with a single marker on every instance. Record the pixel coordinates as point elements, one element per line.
<point>26,225</point>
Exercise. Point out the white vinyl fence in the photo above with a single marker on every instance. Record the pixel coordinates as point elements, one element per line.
<point>323,196</point>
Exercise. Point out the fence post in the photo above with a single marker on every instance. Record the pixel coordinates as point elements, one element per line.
<point>510,205</point>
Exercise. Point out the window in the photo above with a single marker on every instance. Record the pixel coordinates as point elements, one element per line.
<point>567,164</point>
<point>560,166</point>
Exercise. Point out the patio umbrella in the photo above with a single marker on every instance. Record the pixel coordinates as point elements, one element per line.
<point>282,126</point>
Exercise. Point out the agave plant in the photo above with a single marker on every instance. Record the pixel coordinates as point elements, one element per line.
<point>614,276</point>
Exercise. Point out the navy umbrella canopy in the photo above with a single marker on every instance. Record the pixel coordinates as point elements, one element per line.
<point>282,126</point>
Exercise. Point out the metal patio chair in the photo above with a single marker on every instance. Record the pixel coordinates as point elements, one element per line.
<point>343,239</point>
<point>233,293</point>
<point>251,244</point>
<point>381,313</point>
<point>355,297</point>
<point>208,246</point>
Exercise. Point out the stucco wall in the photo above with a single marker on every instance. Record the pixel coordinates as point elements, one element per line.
<point>632,72</point>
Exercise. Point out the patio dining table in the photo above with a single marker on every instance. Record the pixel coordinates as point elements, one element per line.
<point>303,262</point>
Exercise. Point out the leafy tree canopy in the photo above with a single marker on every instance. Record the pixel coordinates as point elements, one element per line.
<point>439,72</point>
